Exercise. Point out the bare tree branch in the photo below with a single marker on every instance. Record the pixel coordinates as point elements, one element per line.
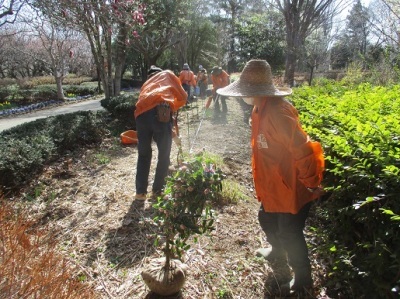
<point>10,8</point>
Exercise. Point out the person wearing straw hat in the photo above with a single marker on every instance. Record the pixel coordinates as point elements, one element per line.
<point>287,170</point>
<point>160,96</point>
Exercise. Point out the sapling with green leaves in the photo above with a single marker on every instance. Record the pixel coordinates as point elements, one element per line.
<point>184,210</point>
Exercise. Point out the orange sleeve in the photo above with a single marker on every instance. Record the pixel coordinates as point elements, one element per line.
<point>181,77</point>
<point>225,79</point>
<point>193,79</point>
<point>308,155</point>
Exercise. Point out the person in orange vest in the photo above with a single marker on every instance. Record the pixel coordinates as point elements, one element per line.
<point>202,81</point>
<point>160,96</point>
<point>287,170</point>
<point>186,76</point>
<point>219,79</point>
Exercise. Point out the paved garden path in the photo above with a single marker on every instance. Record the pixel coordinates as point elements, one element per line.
<point>12,121</point>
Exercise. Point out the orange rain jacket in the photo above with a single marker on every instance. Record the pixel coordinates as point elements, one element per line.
<point>187,77</point>
<point>285,161</point>
<point>202,78</point>
<point>219,81</point>
<point>163,86</point>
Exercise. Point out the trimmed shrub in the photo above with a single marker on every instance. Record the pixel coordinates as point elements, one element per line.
<point>25,149</point>
<point>122,107</point>
<point>44,92</point>
<point>22,157</point>
<point>81,90</point>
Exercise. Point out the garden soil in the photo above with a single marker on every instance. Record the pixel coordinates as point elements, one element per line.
<point>87,199</point>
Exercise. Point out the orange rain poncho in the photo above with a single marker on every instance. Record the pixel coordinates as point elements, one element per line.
<point>163,86</point>
<point>285,161</point>
<point>187,77</point>
<point>219,81</point>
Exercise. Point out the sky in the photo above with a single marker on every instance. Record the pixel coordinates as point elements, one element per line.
<point>350,3</point>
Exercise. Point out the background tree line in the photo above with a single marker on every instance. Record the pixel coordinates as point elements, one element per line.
<point>109,40</point>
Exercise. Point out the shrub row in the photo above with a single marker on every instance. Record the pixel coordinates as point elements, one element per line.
<point>17,95</point>
<point>25,149</point>
<point>122,108</point>
<point>359,128</point>
<point>28,83</point>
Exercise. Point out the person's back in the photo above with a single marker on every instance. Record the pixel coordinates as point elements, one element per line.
<point>202,81</point>
<point>160,96</point>
<point>187,78</point>
<point>287,171</point>
<point>219,79</point>
<point>163,86</point>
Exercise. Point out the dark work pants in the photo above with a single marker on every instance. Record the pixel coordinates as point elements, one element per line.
<point>148,129</point>
<point>187,88</point>
<point>284,231</point>
<point>221,99</point>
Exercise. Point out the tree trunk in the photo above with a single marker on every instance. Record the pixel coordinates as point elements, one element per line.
<point>311,75</point>
<point>60,91</point>
<point>120,56</point>
<point>290,68</point>
<point>108,69</point>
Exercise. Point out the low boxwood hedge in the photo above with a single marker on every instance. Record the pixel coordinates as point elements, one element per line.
<point>25,149</point>
<point>122,108</point>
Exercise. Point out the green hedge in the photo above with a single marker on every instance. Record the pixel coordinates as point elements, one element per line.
<point>359,130</point>
<point>122,107</point>
<point>16,94</point>
<point>25,149</point>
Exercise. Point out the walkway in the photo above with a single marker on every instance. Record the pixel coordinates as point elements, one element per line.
<point>12,121</point>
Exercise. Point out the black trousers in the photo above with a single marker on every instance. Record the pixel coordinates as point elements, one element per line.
<point>284,232</point>
<point>222,99</point>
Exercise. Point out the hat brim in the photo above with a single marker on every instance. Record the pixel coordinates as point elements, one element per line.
<point>236,89</point>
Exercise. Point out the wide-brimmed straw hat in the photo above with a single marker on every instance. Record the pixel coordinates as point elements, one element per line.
<point>255,80</point>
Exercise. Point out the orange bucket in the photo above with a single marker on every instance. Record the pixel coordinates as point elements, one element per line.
<point>129,137</point>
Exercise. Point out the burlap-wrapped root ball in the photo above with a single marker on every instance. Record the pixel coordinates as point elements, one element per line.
<point>164,281</point>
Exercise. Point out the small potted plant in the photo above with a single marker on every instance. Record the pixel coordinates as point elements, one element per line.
<point>183,210</point>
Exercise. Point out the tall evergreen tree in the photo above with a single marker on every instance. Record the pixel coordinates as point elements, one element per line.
<point>357,30</point>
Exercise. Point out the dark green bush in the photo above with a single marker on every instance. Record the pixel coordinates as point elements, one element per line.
<point>11,93</point>
<point>17,94</point>
<point>81,90</point>
<point>25,149</point>
<point>20,158</point>
<point>122,107</point>
<point>83,129</point>
<point>43,92</point>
